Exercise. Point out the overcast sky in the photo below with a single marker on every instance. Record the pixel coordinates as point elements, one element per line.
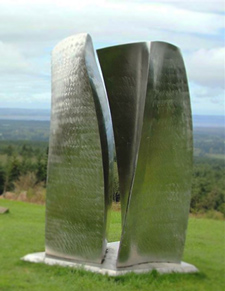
<point>30,29</point>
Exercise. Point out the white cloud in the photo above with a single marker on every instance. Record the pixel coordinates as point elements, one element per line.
<point>12,61</point>
<point>207,93</point>
<point>30,29</point>
<point>51,19</point>
<point>207,100</point>
<point>207,67</point>
<point>201,5</point>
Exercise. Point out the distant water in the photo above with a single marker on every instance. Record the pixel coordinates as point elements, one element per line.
<point>208,121</point>
<point>44,114</point>
<point>24,114</point>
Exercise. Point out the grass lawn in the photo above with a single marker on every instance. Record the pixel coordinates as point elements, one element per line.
<point>22,232</point>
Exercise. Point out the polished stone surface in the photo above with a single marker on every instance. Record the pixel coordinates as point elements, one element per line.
<point>109,264</point>
<point>150,104</point>
<point>80,165</point>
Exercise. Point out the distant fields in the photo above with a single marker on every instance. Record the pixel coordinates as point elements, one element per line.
<point>24,148</point>
<point>208,141</point>
<point>14,130</point>
<point>216,156</point>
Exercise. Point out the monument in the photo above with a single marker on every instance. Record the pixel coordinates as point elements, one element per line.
<point>139,95</point>
<point>80,155</point>
<point>150,105</point>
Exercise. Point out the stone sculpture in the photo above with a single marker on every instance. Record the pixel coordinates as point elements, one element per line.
<point>148,99</point>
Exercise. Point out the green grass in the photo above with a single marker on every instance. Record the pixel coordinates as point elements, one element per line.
<point>22,232</point>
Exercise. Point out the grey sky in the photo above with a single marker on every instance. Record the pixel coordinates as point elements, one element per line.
<point>30,29</point>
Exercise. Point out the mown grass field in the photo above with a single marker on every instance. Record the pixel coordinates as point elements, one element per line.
<point>22,232</point>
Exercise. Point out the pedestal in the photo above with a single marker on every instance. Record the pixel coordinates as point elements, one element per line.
<point>109,264</point>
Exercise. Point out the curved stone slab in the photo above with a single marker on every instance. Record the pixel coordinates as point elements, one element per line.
<point>158,202</point>
<point>80,155</point>
<point>125,71</point>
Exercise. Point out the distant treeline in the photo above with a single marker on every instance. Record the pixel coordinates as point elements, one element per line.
<point>19,159</point>
<point>207,141</point>
<point>20,130</point>
<point>208,185</point>
<point>24,148</point>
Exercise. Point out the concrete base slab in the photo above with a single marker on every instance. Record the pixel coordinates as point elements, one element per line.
<point>3,210</point>
<point>109,264</point>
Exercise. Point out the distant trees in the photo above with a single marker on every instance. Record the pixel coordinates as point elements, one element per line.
<point>208,185</point>
<point>22,130</point>
<point>41,169</point>
<point>21,159</point>
<point>9,150</point>
<point>2,179</point>
<point>209,141</point>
